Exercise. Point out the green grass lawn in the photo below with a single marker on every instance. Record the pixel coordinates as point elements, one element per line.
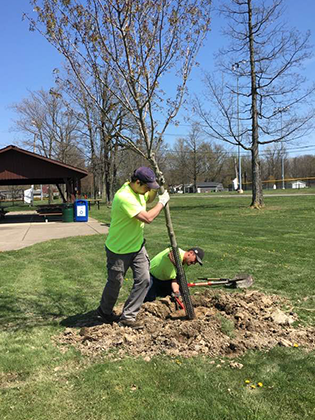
<point>43,285</point>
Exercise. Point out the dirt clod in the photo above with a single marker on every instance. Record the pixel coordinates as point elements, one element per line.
<point>226,324</point>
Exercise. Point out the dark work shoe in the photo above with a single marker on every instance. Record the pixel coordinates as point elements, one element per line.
<point>131,324</point>
<point>109,319</point>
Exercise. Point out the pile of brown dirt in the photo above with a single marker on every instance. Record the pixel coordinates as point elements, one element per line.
<point>226,324</point>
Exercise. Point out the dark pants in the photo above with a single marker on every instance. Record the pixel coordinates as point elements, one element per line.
<point>117,266</point>
<point>158,288</point>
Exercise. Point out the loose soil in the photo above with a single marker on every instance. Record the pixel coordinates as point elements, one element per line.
<point>226,324</point>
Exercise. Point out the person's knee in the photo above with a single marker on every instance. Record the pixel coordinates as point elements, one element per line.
<point>115,278</point>
<point>146,282</point>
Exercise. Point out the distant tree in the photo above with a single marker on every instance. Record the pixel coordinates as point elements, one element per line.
<point>272,162</point>
<point>193,143</point>
<point>185,160</point>
<point>139,42</point>
<point>214,161</point>
<point>98,125</point>
<point>127,160</point>
<point>193,159</point>
<point>246,172</point>
<point>51,129</point>
<point>302,166</point>
<point>268,101</point>
<point>178,163</point>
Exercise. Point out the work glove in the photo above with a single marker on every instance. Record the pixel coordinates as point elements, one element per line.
<point>164,198</point>
<point>177,294</point>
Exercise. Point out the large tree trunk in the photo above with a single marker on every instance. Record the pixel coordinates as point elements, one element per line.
<point>94,175</point>
<point>106,159</point>
<point>107,168</point>
<point>181,276</point>
<point>257,194</point>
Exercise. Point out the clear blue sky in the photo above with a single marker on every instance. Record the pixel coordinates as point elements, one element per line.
<point>27,61</point>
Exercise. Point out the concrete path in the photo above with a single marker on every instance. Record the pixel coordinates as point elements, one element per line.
<point>19,230</point>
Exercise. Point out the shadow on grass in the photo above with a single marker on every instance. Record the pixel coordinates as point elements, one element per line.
<point>87,319</point>
<point>29,312</point>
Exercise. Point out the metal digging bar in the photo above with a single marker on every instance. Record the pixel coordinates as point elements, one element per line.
<point>181,277</point>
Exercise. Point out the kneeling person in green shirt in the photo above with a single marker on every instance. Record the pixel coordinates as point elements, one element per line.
<point>163,281</point>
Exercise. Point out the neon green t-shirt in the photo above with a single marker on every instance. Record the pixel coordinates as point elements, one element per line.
<point>162,268</point>
<point>126,232</point>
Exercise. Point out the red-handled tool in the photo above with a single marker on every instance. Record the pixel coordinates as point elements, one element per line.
<point>240,281</point>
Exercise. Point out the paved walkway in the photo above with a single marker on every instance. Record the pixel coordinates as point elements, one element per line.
<point>19,230</point>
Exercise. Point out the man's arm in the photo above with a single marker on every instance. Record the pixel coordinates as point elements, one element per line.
<point>149,216</point>
<point>174,283</point>
<point>175,287</point>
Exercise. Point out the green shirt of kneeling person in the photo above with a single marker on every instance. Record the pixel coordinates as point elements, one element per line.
<point>163,274</point>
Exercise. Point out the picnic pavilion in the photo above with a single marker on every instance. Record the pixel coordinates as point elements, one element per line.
<point>22,167</point>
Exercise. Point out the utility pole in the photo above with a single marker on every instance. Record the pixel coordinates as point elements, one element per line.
<point>281,111</point>
<point>235,68</point>
<point>282,169</point>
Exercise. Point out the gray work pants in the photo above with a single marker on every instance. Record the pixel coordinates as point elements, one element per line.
<point>117,266</point>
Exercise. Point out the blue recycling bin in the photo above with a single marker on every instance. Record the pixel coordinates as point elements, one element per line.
<point>81,211</point>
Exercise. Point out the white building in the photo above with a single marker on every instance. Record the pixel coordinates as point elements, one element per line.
<point>298,184</point>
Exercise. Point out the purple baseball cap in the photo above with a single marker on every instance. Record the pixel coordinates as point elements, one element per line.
<point>147,176</point>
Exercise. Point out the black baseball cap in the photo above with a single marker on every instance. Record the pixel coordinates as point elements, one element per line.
<point>199,253</point>
<point>147,176</point>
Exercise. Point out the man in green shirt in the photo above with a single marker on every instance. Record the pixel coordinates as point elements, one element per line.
<point>163,273</point>
<point>125,245</point>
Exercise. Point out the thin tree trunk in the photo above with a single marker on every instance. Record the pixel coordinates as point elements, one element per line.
<point>181,276</point>
<point>108,168</point>
<point>114,172</point>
